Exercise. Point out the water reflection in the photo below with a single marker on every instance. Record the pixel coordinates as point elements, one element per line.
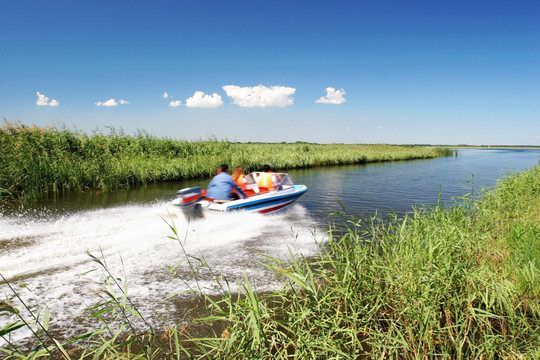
<point>397,186</point>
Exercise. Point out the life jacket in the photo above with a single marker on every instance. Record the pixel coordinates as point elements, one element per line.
<point>265,180</point>
<point>240,181</point>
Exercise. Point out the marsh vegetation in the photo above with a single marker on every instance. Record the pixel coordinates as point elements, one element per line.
<point>35,161</point>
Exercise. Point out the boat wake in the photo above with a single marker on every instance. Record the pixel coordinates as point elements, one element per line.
<point>48,262</point>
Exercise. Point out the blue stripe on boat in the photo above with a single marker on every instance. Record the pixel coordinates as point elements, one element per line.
<point>270,201</point>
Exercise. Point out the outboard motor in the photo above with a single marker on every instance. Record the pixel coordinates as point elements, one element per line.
<point>189,201</point>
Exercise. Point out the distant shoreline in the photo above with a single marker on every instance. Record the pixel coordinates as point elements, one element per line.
<point>495,147</point>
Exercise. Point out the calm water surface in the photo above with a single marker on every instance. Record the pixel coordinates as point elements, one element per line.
<point>46,247</point>
<point>398,186</point>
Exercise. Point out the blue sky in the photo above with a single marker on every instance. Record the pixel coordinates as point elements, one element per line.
<point>400,72</point>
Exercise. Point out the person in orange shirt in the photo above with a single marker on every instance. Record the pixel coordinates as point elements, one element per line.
<point>221,186</point>
<point>239,177</point>
<point>267,179</point>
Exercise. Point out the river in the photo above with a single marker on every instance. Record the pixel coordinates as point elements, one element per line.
<point>44,249</point>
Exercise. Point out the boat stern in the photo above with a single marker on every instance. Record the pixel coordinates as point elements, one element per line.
<point>188,200</point>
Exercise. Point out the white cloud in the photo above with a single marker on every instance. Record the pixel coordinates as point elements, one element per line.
<point>260,95</point>
<point>172,103</point>
<point>333,96</point>
<point>111,102</point>
<point>42,100</point>
<point>200,100</point>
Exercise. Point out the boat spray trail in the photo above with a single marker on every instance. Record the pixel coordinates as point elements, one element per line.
<point>48,261</point>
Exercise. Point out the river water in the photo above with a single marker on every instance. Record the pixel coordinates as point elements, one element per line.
<point>44,250</point>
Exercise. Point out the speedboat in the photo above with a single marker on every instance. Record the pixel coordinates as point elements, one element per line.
<point>194,202</point>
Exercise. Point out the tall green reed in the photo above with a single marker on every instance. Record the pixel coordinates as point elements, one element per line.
<point>37,161</point>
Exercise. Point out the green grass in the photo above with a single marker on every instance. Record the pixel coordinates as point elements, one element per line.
<point>35,161</point>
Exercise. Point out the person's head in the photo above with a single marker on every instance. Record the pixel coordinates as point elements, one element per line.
<point>223,168</point>
<point>266,168</point>
<point>237,172</point>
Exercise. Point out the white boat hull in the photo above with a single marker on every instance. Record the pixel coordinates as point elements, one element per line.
<point>263,203</point>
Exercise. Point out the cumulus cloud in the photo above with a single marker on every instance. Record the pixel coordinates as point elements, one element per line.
<point>333,96</point>
<point>260,95</point>
<point>43,100</point>
<point>111,102</point>
<point>201,100</point>
<point>172,103</point>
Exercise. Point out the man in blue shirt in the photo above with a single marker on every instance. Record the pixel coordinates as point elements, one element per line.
<point>221,185</point>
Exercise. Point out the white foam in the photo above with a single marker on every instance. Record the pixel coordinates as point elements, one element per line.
<point>51,257</point>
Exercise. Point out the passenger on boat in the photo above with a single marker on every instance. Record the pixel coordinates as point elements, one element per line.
<point>239,177</point>
<point>221,185</point>
<point>267,179</point>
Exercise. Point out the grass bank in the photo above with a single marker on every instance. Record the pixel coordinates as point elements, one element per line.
<point>36,161</point>
<point>444,282</point>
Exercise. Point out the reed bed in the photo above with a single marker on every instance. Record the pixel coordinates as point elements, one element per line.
<point>443,282</point>
<point>36,161</point>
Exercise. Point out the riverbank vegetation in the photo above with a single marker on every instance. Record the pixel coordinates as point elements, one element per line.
<point>36,161</point>
<point>446,282</point>
<point>459,282</point>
